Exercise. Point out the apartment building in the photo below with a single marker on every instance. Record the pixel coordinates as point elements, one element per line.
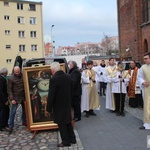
<point>21,31</point>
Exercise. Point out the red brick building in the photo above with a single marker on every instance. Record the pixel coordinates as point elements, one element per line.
<point>48,49</point>
<point>134,27</point>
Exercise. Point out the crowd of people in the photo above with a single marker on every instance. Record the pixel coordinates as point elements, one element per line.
<point>79,92</point>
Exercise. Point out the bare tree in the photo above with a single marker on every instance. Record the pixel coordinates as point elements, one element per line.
<point>106,44</point>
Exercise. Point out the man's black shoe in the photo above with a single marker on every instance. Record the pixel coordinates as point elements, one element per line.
<point>142,128</point>
<point>104,94</point>
<point>92,113</point>
<point>117,114</point>
<point>87,115</point>
<point>73,142</point>
<point>76,119</point>
<point>122,114</point>
<point>112,111</point>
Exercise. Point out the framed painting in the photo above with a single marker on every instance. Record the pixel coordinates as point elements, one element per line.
<point>36,82</point>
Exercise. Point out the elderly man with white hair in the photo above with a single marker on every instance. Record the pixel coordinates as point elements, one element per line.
<point>4,107</point>
<point>59,99</point>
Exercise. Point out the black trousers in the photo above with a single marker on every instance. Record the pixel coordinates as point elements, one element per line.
<point>119,100</point>
<point>102,87</point>
<point>67,133</point>
<point>76,104</point>
<point>4,116</point>
<point>137,101</point>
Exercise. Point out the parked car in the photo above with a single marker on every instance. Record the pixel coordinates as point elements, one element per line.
<point>126,64</point>
<point>45,61</point>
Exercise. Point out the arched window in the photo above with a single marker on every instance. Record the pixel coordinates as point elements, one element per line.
<point>145,46</point>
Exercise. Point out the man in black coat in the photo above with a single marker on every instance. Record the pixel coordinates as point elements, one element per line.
<point>59,99</point>
<point>4,105</point>
<point>76,93</point>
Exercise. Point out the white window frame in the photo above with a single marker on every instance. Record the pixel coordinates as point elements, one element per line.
<point>7,32</point>
<point>6,17</point>
<point>34,48</point>
<point>21,20</point>
<point>22,48</point>
<point>8,46</point>
<point>32,20</point>
<point>8,61</point>
<point>20,6</point>
<point>21,34</point>
<point>33,34</point>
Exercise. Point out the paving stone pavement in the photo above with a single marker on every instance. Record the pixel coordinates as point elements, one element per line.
<point>20,138</point>
<point>137,112</point>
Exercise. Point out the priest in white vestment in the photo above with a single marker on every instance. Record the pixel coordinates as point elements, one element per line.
<point>109,73</point>
<point>89,98</point>
<point>143,78</point>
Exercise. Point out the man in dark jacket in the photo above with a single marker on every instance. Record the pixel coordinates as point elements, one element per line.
<point>76,93</point>
<point>4,107</point>
<point>17,96</point>
<point>59,99</point>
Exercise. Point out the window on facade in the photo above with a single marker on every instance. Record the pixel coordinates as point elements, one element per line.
<point>33,34</point>
<point>7,32</point>
<point>8,61</point>
<point>19,6</point>
<point>21,20</point>
<point>33,47</point>
<point>6,17</point>
<point>21,48</point>
<point>21,34</point>
<point>8,46</point>
<point>32,20</point>
<point>6,3</point>
<point>32,7</point>
<point>146,11</point>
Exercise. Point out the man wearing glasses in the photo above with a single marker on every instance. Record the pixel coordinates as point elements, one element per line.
<point>144,81</point>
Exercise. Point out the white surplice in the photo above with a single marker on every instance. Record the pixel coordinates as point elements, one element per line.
<point>84,96</point>
<point>142,76</point>
<point>89,97</point>
<point>109,73</point>
<point>97,70</point>
<point>120,86</point>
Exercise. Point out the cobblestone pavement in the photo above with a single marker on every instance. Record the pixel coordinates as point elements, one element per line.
<point>77,146</point>
<point>137,112</point>
<point>20,138</point>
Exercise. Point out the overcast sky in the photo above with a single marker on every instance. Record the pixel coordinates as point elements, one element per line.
<point>78,20</point>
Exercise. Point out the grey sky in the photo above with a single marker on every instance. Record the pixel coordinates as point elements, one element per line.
<point>79,20</point>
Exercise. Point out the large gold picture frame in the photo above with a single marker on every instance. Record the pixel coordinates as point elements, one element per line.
<point>36,82</point>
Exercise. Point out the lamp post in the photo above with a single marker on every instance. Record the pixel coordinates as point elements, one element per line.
<point>53,53</point>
